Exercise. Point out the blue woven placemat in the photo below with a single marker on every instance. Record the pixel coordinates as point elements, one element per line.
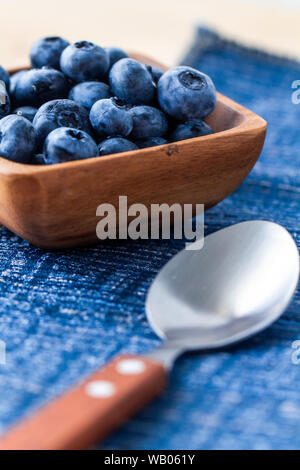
<point>63,314</point>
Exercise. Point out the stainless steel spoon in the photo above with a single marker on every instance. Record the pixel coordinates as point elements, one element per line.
<point>235,286</point>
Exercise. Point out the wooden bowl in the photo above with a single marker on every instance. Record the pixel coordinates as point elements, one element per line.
<point>54,206</point>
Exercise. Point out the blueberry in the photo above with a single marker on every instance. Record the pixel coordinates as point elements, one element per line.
<point>132,82</point>
<point>115,54</point>
<point>116,145</point>
<point>37,159</point>
<point>155,73</point>
<point>47,51</point>
<point>87,93</point>
<point>13,80</point>
<point>150,142</point>
<point>59,113</point>
<point>66,144</point>
<point>84,61</point>
<point>27,112</point>
<point>37,86</point>
<point>111,117</point>
<point>4,101</point>
<point>186,94</point>
<point>190,129</point>
<point>4,76</point>
<point>148,122</point>
<point>17,138</point>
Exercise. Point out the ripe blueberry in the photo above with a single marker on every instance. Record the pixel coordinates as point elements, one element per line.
<point>37,86</point>
<point>186,94</point>
<point>111,117</point>
<point>66,144</point>
<point>148,122</point>
<point>59,113</point>
<point>115,54</point>
<point>190,129</point>
<point>84,61</point>
<point>47,52</point>
<point>116,145</point>
<point>155,73</point>
<point>87,93</point>
<point>13,80</point>
<point>150,142</point>
<point>37,159</point>
<point>27,112</point>
<point>17,138</point>
<point>132,82</point>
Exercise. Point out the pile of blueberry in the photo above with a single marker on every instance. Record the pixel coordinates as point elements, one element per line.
<point>81,100</point>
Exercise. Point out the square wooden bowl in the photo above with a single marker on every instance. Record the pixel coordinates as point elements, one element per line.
<point>54,206</point>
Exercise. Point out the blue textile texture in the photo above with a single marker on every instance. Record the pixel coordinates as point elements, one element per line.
<point>64,314</point>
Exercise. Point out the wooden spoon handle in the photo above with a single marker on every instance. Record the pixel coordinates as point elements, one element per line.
<point>89,411</point>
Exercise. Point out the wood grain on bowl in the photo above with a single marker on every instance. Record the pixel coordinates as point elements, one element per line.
<point>55,206</point>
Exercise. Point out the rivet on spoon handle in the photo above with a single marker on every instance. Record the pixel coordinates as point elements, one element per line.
<point>88,412</point>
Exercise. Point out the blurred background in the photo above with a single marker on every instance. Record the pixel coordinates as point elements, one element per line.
<point>161,28</point>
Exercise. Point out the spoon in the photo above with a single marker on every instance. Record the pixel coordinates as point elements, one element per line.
<point>235,286</point>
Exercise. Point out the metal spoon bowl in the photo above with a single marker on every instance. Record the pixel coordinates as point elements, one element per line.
<point>235,286</point>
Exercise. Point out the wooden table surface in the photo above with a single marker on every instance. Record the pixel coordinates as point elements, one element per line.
<point>161,28</point>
